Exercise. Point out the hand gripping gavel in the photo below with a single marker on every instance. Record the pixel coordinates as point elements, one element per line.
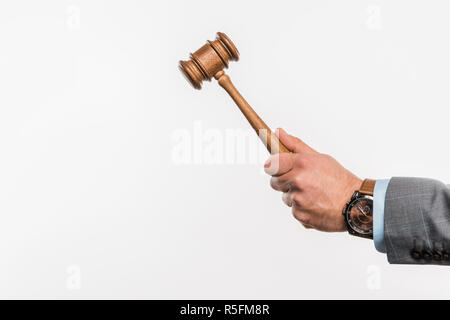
<point>208,62</point>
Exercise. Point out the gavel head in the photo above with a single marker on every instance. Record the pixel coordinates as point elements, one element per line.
<point>208,60</point>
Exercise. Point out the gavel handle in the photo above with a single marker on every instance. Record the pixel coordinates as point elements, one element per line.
<point>269,139</point>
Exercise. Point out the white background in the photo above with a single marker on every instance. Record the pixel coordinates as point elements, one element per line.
<point>92,204</point>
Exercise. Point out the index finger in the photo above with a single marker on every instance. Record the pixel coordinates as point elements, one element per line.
<point>279,164</point>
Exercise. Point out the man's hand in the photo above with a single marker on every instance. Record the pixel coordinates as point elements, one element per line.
<point>315,185</point>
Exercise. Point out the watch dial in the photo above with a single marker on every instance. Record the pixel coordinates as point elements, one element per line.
<point>360,215</point>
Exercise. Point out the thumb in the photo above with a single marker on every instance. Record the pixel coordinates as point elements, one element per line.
<point>293,143</point>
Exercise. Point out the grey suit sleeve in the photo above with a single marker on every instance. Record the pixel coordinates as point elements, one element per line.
<point>417,221</point>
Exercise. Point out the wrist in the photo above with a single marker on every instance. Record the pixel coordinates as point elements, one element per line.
<point>352,186</point>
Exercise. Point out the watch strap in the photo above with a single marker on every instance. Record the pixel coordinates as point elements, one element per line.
<point>367,187</point>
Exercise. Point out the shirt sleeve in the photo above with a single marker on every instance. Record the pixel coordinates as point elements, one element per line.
<point>379,196</point>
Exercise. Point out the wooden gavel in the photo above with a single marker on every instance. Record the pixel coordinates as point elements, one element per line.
<point>208,62</point>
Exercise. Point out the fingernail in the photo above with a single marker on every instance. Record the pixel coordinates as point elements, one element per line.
<point>267,164</point>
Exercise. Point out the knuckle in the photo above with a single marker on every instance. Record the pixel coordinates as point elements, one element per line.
<point>301,160</point>
<point>302,181</point>
<point>298,180</point>
<point>307,179</point>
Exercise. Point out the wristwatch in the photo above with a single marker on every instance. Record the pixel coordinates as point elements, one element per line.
<point>358,211</point>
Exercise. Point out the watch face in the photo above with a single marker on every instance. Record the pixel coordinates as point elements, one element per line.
<point>359,214</point>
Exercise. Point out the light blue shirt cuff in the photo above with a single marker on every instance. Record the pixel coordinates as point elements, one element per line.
<point>379,196</point>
